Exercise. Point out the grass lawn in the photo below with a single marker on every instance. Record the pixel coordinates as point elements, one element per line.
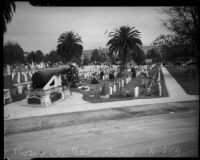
<point>95,90</point>
<point>190,85</point>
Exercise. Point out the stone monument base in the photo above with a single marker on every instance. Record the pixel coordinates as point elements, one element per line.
<point>45,98</point>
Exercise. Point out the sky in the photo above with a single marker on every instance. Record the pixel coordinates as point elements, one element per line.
<point>38,28</point>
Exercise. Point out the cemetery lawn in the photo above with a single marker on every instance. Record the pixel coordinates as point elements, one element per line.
<point>93,94</point>
<point>190,85</point>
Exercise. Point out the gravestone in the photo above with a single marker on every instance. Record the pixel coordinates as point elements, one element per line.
<point>13,74</point>
<point>111,90</point>
<point>119,84</point>
<point>114,88</point>
<point>136,92</point>
<point>122,82</point>
<point>8,69</point>
<point>18,77</point>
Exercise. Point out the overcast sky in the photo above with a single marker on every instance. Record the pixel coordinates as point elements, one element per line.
<point>38,28</point>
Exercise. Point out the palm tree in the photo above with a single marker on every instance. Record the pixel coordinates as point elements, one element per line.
<point>8,9</point>
<point>124,41</point>
<point>69,46</point>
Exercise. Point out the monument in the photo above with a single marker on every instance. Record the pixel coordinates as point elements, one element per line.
<point>46,86</point>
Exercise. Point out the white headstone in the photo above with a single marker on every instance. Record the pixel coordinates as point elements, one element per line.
<point>119,84</point>
<point>18,77</point>
<point>110,90</point>
<point>30,74</point>
<point>114,88</point>
<point>25,76</point>
<point>136,91</point>
<point>28,86</point>
<point>126,80</point>
<point>19,89</point>
<point>160,89</point>
<point>8,69</point>
<point>122,83</point>
<point>13,74</point>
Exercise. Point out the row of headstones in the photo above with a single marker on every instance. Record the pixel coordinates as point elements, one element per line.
<point>119,84</point>
<point>88,74</point>
<point>21,77</point>
<point>158,81</point>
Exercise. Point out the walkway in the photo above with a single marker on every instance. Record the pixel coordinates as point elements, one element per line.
<point>77,104</point>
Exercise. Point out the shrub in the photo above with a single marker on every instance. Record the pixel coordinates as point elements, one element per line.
<point>105,89</point>
<point>71,77</point>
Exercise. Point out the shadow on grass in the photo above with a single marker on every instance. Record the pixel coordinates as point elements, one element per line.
<point>189,84</point>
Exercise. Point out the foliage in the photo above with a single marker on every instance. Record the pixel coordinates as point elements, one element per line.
<point>52,57</point>
<point>113,58</point>
<point>184,40</point>
<point>72,76</point>
<point>153,54</point>
<point>171,48</point>
<point>35,57</point>
<point>105,89</point>
<point>8,10</point>
<point>86,60</point>
<point>97,56</point>
<point>69,47</point>
<point>120,74</point>
<point>138,56</point>
<point>94,80</point>
<point>183,21</point>
<point>123,41</point>
<point>13,53</point>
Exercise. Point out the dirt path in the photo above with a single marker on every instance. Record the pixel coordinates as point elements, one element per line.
<point>173,133</point>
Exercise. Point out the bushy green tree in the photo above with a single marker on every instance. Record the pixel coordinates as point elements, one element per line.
<point>35,57</point>
<point>72,76</point>
<point>138,56</point>
<point>13,53</point>
<point>86,60</point>
<point>98,56</point>
<point>183,21</point>
<point>39,56</point>
<point>52,57</point>
<point>171,47</point>
<point>105,89</point>
<point>153,54</point>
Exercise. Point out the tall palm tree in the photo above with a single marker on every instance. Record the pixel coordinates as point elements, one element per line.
<point>69,43</point>
<point>124,40</point>
<point>8,10</point>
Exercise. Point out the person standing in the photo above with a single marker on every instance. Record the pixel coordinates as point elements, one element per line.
<point>101,74</point>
